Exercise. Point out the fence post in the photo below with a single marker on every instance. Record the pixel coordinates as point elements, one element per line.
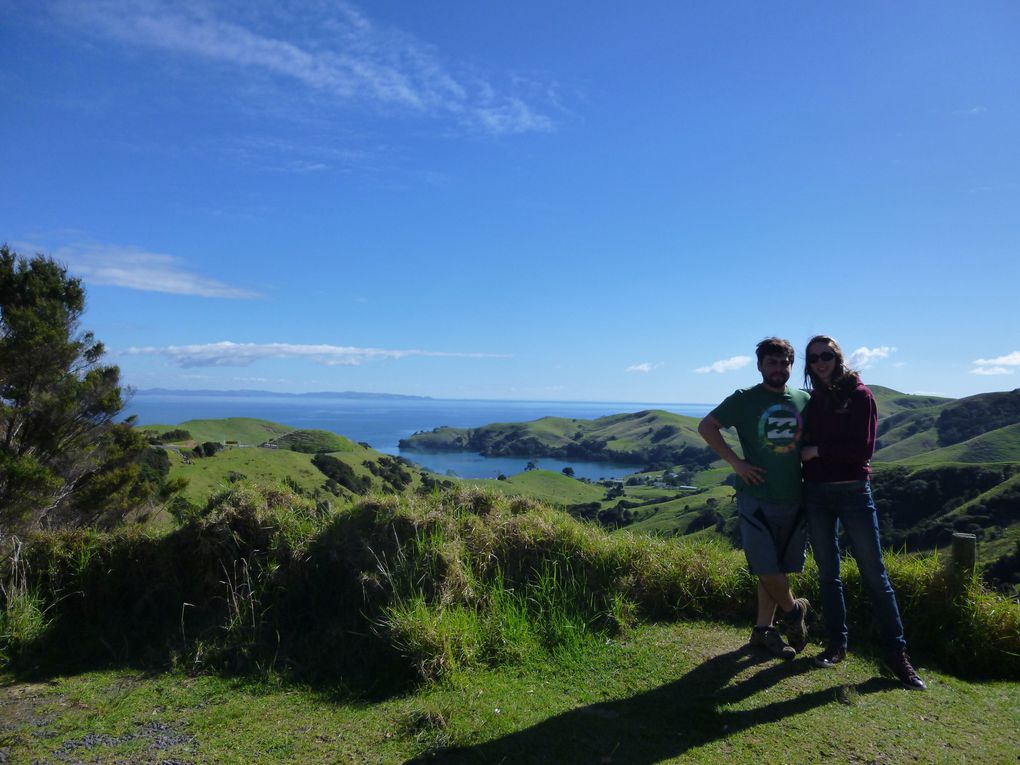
<point>963,561</point>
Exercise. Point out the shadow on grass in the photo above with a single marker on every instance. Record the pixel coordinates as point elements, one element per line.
<point>662,723</point>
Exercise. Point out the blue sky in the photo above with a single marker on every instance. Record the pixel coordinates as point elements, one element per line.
<point>522,200</point>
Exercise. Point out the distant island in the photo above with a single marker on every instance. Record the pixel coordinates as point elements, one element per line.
<point>349,394</point>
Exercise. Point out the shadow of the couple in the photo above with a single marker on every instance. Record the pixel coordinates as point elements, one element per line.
<point>657,724</point>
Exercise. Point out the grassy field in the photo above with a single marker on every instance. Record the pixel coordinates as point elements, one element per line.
<point>208,475</point>
<point>244,430</point>
<point>681,693</point>
<point>545,485</point>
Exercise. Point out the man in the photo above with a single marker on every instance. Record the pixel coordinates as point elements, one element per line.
<point>772,531</point>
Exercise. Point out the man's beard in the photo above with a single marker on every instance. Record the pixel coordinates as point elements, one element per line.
<point>777,379</point>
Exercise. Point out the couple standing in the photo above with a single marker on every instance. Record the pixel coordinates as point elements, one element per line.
<point>808,454</point>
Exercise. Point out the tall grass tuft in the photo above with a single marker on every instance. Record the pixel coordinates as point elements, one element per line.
<point>22,611</point>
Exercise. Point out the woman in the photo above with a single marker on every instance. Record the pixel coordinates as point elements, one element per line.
<point>841,424</point>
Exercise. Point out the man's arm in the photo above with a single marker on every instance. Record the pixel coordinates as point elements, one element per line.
<point>711,430</point>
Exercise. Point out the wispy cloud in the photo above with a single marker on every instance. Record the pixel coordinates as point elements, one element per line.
<point>331,50</point>
<point>725,365</point>
<point>230,354</point>
<point>646,367</point>
<point>1001,365</point>
<point>1010,360</point>
<point>865,357</point>
<point>138,269</point>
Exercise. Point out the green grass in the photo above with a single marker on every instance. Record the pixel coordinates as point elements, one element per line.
<point>676,515</point>
<point>208,475</point>
<point>911,446</point>
<point>545,485</point>
<point>1000,445</point>
<point>663,693</point>
<point>244,430</point>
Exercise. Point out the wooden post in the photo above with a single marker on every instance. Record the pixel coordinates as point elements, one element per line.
<point>964,559</point>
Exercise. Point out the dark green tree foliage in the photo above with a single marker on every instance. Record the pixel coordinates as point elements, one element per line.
<point>169,437</point>
<point>976,415</point>
<point>207,449</point>
<point>58,441</point>
<point>341,473</point>
<point>395,478</point>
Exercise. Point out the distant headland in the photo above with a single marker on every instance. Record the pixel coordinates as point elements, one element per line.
<point>245,393</point>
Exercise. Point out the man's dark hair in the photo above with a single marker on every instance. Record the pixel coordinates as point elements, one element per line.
<point>774,346</point>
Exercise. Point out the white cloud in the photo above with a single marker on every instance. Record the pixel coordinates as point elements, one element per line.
<point>1009,360</point>
<point>230,354</point>
<point>726,365</point>
<point>138,269</point>
<point>864,357</point>
<point>329,49</point>
<point>646,367</point>
<point>1000,365</point>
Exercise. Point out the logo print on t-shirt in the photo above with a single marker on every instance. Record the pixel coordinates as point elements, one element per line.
<point>780,427</point>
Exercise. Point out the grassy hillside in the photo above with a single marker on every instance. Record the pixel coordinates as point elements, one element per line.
<point>686,514</point>
<point>891,402</point>
<point>209,475</point>
<point>912,432</point>
<point>1000,445</point>
<point>640,438</point>
<point>290,461</point>
<point>545,485</point>
<point>244,430</point>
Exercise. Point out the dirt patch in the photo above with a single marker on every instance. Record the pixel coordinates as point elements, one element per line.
<point>29,711</point>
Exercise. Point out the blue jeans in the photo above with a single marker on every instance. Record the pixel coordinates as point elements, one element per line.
<point>850,505</point>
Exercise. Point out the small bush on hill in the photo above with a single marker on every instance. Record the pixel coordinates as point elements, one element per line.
<point>341,473</point>
<point>395,478</point>
<point>207,449</point>
<point>167,437</point>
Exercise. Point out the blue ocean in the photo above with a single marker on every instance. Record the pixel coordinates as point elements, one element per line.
<point>382,422</point>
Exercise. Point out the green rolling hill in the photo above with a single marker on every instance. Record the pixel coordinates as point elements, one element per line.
<point>891,402</point>
<point>641,438</point>
<point>924,431</point>
<point>273,454</point>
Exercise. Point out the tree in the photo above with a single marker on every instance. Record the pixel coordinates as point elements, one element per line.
<point>57,400</point>
<point>568,471</point>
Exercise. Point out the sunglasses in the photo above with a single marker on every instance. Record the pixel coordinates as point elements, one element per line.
<point>823,356</point>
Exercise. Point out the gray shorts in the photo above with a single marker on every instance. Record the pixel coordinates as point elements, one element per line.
<point>773,535</point>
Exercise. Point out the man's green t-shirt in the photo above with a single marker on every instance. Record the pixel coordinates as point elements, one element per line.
<point>770,427</point>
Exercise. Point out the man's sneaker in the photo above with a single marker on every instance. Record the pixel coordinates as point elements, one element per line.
<point>899,665</point>
<point>830,657</point>
<point>796,624</point>
<point>770,639</point>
